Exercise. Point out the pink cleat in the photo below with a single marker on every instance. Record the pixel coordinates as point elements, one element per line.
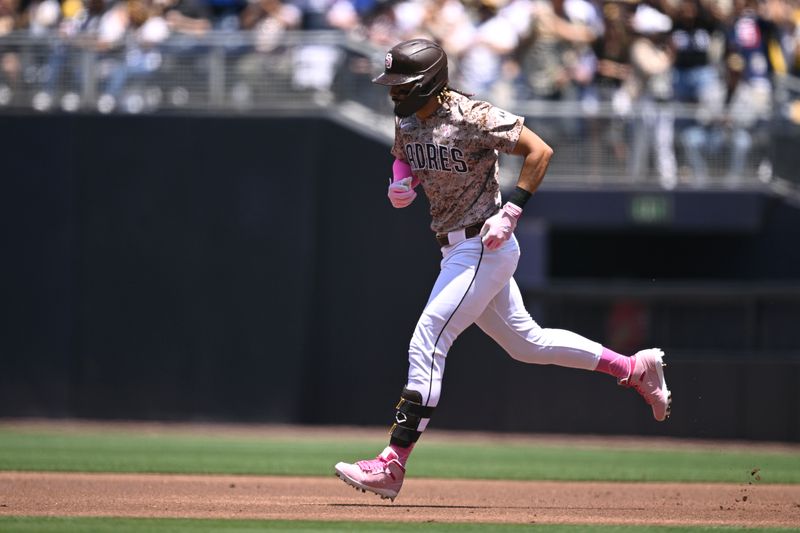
<point>382,475</point>
<point>647,378</point>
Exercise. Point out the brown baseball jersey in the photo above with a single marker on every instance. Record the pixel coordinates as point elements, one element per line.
<point>454,153</point>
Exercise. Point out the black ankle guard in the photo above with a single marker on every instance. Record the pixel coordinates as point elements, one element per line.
<point>410,412</point>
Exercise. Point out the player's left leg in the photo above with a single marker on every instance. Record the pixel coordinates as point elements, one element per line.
<point>384,475</point>
<point>469,279</point>
<point>507,321</point>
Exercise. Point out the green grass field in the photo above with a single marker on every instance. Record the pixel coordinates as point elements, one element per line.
<point>129,452</point>
<point>169,525</point>
<point>121,451</point>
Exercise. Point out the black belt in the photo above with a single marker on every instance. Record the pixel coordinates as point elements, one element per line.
<point>469,232</point>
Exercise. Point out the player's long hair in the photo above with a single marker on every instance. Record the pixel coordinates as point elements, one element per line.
<point>444,94</point>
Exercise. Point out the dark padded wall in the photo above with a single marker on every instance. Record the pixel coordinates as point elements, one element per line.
<point>245,268</point>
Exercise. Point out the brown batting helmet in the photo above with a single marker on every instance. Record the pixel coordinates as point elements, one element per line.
<point>418,61</point>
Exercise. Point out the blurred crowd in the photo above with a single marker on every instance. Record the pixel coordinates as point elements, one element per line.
<point>722,56</point>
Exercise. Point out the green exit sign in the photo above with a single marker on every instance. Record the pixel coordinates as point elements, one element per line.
<point>651,209</point>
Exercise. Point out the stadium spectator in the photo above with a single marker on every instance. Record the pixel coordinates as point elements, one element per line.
<point>268,63</point>
<point>225,14</point>
<point>269,19</point>
<point>696,78</point>
<point>344,15</point>
<point>314,13</point>
<point>43,17</point>
<point>380,26</point>
<point>449,23</point>
<point>188,17</point>
<point>10,64</point>
<point>492,42</point>
<point>556,55</point>
<point>784,43</point>
<point>751,48</point>
<point>614,68</point>
<point>588,52</point>
<point>581,55</point>
<point>141,59</point>
<point>10,19</point>
<point>694,26</point>
<point>649,89</point>
<point>90,27</point>
<point>314,65</point>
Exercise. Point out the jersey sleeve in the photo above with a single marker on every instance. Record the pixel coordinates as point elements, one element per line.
<point>397,148</point>
<point>494,128</point>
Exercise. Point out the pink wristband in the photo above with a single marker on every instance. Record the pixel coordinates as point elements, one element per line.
<point>400,170</point>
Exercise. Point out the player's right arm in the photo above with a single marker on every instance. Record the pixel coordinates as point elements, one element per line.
<point>537,154</point>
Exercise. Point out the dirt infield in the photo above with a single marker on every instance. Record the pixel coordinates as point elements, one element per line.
<point>422,500</point>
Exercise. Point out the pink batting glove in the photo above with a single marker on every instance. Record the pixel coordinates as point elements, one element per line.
<point>401,194</point>
<point>498,228</point>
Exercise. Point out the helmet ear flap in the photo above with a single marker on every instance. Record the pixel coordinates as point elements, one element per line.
<point>438,80</point>
<point>429,86</point>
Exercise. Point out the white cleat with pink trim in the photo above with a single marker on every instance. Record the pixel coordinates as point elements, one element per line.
<point>647,378</point>
<point>382,475</point>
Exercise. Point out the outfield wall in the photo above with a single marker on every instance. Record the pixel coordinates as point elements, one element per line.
<point>246,268</point>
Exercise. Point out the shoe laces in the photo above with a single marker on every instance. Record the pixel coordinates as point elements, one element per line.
<point>372,466</point>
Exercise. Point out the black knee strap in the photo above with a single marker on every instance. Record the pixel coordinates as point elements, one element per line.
<point>410,412</point>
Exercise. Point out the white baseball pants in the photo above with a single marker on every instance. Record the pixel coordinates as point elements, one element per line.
<point>476,286</point>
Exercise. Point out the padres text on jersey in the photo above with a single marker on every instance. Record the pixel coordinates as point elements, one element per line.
<point>454,153</point>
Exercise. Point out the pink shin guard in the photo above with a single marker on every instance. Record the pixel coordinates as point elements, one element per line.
<point>614,364</point>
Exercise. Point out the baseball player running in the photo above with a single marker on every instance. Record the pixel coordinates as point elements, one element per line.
<point>449,144</point>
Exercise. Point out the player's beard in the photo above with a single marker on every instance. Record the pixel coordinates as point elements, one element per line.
<point>409,103</point>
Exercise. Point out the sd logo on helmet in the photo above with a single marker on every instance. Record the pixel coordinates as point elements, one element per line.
<point>420,62</point>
